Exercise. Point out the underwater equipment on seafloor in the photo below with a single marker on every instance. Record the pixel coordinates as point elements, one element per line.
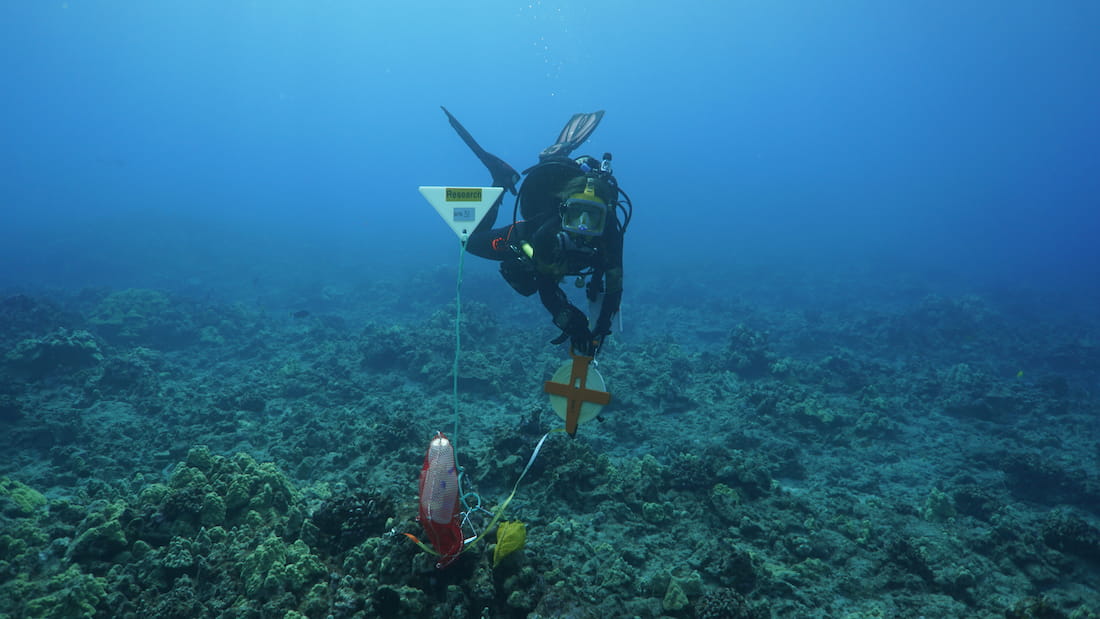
<point>577,392</point>
<point>439,497</point>
<point>444,508</point>
<point>443,505</point>
<point>439,513</point>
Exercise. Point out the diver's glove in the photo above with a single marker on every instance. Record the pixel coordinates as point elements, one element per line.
<point>574,326</point>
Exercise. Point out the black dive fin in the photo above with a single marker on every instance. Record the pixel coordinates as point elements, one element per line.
<point>575,132</point>
<point>503,174</point>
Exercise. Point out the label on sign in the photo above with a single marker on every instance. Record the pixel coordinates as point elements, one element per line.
<point>464,194</point>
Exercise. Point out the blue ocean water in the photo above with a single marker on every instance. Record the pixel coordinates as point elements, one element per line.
<point>854,375</point>
<point>172,141</point>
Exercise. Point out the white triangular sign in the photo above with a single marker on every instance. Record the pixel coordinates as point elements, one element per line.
<point>461,207</point>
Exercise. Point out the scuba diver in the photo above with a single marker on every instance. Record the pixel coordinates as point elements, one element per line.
<point>570,227</point>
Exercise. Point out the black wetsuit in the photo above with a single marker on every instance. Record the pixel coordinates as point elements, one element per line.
<point>535,254</point>
<point>556,255</point>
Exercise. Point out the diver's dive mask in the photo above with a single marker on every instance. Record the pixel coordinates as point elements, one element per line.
<point>584,213</point>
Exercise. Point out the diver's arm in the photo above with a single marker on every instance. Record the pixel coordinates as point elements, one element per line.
<point>572,321</point>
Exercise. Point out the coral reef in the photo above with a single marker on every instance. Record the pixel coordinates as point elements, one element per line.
<point>57,351</point>
<point>174,458</point>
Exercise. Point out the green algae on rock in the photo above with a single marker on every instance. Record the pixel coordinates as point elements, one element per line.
<point>18,499</point>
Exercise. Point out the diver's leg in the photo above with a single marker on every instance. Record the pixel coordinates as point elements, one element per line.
<point>503,174</point>
<point>575,132</point>
<point>495,243</point>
